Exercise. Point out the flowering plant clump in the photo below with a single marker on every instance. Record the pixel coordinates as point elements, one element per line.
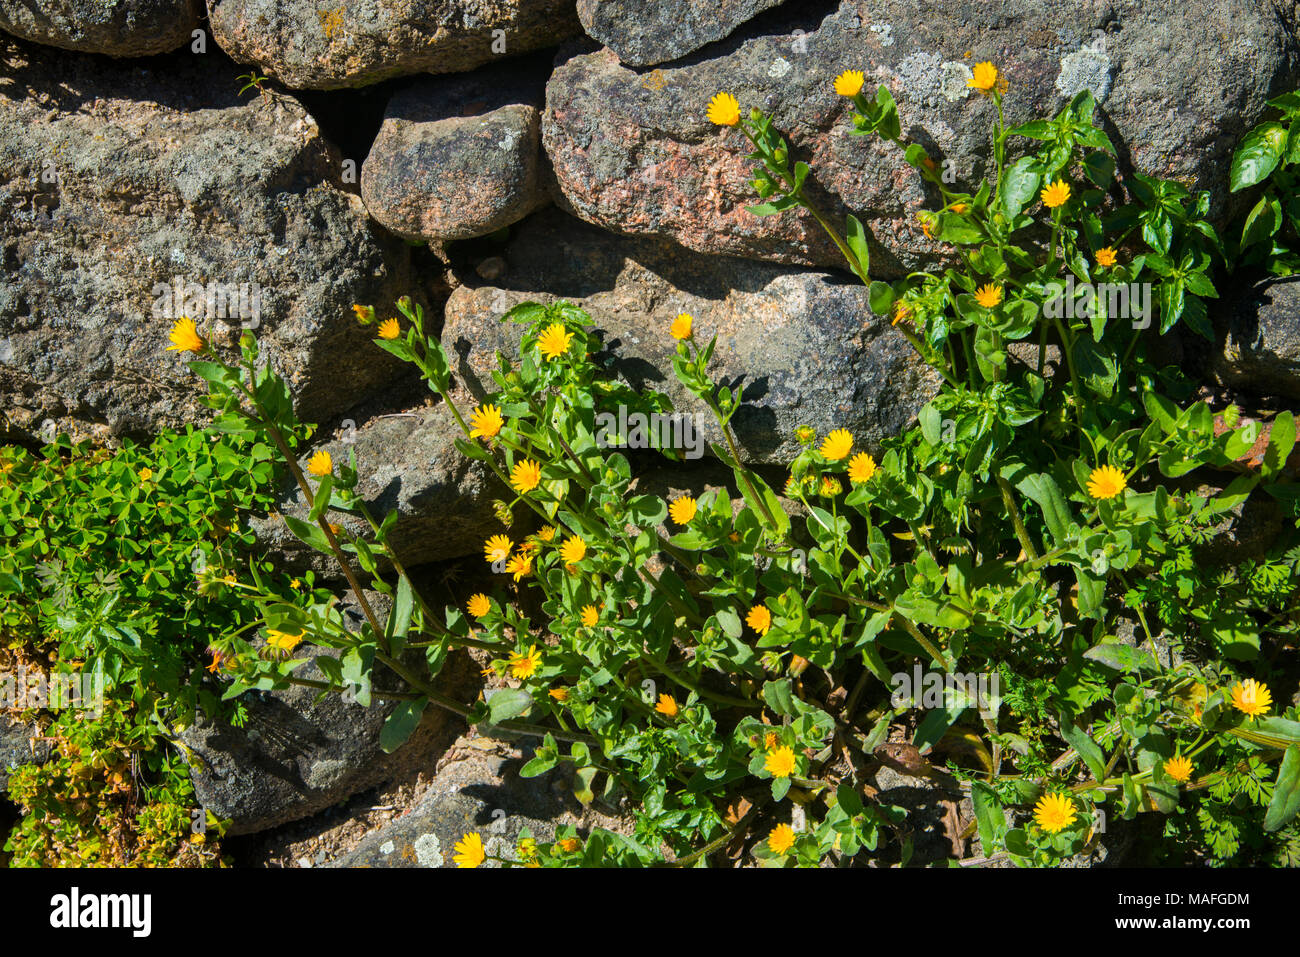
<point>731,662</point>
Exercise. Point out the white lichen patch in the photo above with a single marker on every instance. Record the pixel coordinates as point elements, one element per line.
<point>1087,68</point>
<point>428,850</point>
<point>884,32</point>
<point>953,80</point>
<point>387,847</point>
<point>779,68</point>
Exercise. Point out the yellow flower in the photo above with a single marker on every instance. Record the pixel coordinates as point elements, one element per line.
<point>486,421</point>
<point>1055,812</point>
<point>667,706</point>
<point>769,741</point>
<point>1251,697</point>
<point>1055,194</point>
<point>390,329</point>
<point>1179,768</point>
<point>901,312</point>
<point>781,839</point>
<point>570,844</point>
<point>185,337</point>
<point>525,666</point>
<point>469,851</point>
<point>320,464</point>
<point>520,565</point>
<point>479,605</point>
<point>849,83</point>
<point>837,445</point>
<point>546,533</point>
<point>365,314</point>
<point>1106,482</point>
<point>282,641</point>
<point>985,78</point>
<point>959,208</point>
<point>681,328</point>
<point>559,694</point>
<point>780,763</point>
<point>861,467</point>
<point>296,584</point>
<point>682,509</point>
<point>1105,256</point>
<point>146,474</point>
<point>554,341</point>
<point>724,110</point>
<point>831,486</point>
<point>497,548</point>
<point>573,550</point>
<point>759,618</point>
<point>525,476</point>
<point>988,296</point>
<point>590,615</point>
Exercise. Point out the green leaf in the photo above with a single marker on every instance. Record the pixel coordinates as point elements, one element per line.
<point>1019,184</point>
<point>508,703</point>
<point>881,298</point>
<point>1088,749</point>
<point>1286,792</point>
<point>1281,440</point>
<point>400,617</point>
<point>399,725</point>
<point>855,236</point>
<point>1046,494</point>
<point>309,534</point>
<point>988,815</point>
<point>1258,155</point>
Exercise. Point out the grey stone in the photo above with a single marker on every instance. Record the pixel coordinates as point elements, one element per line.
<point>1261,350</point>
<point>646,32</point>
<point>114,181</point>
<point>19,744</point>
<point>305,44</point>
<point>456,158</point>
<point>117,27</point>
<point>803,344</point>
<point>1178,83</point>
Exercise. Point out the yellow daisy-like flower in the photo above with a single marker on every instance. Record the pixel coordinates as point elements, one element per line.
<point>365,314</point>
<point>1105,256</point>
<point>849,83</point>
<point>570,844</point>
<point>1251,697</point>
<point>479,605</point>
<point>469,851</point>
<point>296,584</point>
<point>1055,194</point>
<point>667,706</point>
<point>520,565</point>
<point>861,468</point>
<point>525,476</point>
<point>780,763</point>
<point>1179,768</point>
<point>282,641</point>
<point>781,839</point>
<point>525,666</point>
<point>486,421</point>
<point>546,533</point>
<point>573,550</point>
<point>185,337</point>
<point>681,328</point>
<point>497,548</point>
<point>554,341</point>
<point>590,614</point>
<point>985,77</point>
<point>1106,482</point>
<point>682,509</point>
<point>769,741</point>
<point>390,329</point>
<point>759,618</point>
<point>320,464</point>
<point>146,474</point>
<point>837,445</point>
<point>559,694</point>
<point>724,110</point>
<point>1055,812</point>
<point>988,296</point>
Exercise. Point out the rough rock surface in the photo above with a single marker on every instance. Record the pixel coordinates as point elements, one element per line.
<point>295,756</point>
<point>18,747</point>
<point>456,158</point>
<point>478,790</point>
<point>1178,84</point>
<point>407,461</point>
<point>646,32</point>
<point>307,44</point>
<point>115,180</point>
<point>117,27</point>
<point>804,344</point>
<point>1261,353</point>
